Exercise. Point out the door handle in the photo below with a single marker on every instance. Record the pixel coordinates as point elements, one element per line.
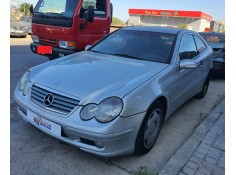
<point>201,63</point>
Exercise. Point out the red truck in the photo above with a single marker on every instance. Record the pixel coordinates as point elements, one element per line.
<point>67,26</point>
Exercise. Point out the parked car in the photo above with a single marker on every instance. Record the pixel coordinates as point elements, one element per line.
<point>28,21</point>
<point>217,42</point>
<point>113,98</point>
<point>17,28</point>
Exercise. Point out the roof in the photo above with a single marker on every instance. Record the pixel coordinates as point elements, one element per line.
<point>171,13</point>
<point>212,33</point>
<point>153,29</point>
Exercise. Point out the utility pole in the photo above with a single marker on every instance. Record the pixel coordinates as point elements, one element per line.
<point>24,7</point>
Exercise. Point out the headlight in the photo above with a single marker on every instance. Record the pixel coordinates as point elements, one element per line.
<point>104,112</point>
<point>67,45</point>
<point>35,39</point>
<point>25,83</point>
<point>12,29</point>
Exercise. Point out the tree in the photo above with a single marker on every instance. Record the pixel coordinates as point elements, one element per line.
<point>183,26</point>
<point>25,8</point>
<point>117,22</point>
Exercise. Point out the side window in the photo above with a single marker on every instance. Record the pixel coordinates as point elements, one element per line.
<point>99,8</point>
<point>188,48</point>
<point>200,45</point>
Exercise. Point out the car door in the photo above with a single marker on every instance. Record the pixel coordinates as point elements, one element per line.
<point>186,81</point>
<point>205,56</point>
<point>100,27</point>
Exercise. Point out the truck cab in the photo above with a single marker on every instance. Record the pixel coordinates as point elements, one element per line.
<point>67,26</point>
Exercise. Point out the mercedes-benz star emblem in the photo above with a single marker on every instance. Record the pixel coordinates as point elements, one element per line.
<point>48,100</point>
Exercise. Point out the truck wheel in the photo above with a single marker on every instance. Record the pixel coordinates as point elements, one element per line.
<point>149,129</point>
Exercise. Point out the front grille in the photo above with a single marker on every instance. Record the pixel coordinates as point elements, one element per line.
<point>61,104</point>
<point>18,28</point>
<point>49,42</point>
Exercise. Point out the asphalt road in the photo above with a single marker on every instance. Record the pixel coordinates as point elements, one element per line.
<point>35,153</point>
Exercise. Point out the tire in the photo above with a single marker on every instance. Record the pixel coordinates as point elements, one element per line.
<point>51,58</point>
<point>205,86</point>
<point>150,129</point>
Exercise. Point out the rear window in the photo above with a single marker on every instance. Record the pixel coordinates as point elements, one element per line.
<point>214,38</point>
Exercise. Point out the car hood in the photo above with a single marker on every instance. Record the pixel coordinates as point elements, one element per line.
<point>18,24</point>
<point>92,76</point>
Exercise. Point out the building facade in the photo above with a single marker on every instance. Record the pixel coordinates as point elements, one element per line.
<point>193,20</point>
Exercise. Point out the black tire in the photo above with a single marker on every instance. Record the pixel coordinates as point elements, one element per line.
<point>205,86</point>
<point>51,58</point>
<point>141,145</point>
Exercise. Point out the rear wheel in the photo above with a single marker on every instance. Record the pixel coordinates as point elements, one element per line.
<point>149,129</point>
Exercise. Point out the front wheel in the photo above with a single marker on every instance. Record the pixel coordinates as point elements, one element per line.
<point>149,129</point>
<point>205,86</point>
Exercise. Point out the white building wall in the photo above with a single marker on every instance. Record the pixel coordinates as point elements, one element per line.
<point>204,24</point>
<point>195,24</point>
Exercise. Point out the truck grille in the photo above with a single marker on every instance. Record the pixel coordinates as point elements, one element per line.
<point>48,42</point>
<point>59,103</point>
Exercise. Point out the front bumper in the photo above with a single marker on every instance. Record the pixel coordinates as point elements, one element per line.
<point>23,33</point>
<point>111,139</point>
<point>56,52</point>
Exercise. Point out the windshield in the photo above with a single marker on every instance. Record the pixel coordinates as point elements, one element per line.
<point>142,45</point>
<point>13,19</point>
<point>56,7</point>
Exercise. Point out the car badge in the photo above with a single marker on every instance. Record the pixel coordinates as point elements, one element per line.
<point>48,100</point>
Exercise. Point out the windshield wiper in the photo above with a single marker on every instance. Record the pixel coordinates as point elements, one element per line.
<point>125,55</point>
<point>96,51</point>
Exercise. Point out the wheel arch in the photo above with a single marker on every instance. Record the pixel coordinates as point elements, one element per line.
<point>163,101</point>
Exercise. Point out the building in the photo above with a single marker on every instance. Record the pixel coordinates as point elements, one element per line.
<point>217,26</point>
<point>193,20</point>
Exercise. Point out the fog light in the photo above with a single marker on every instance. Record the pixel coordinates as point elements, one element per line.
<point>33,48</point>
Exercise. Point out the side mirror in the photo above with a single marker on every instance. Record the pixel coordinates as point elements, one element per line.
<point>31,10</point>
<point>87,47</point>
<point>90,14</point>
<point>188,64</point>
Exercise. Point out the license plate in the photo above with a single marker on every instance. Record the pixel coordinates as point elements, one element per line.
<point>19,31</point>
<point>43,123</point>
<point>44,50</point>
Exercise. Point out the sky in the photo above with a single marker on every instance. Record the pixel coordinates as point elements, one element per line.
<point>215,8</point>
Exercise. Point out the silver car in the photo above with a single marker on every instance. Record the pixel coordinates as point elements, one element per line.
<point>113,98</point>
<point>18,28</point>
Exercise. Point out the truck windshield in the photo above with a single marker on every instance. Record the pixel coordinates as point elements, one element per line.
<point>64,8</point>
